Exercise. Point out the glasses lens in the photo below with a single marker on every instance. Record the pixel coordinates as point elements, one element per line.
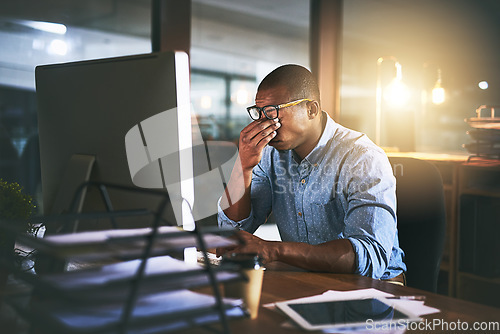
<point>254,113</point>
<point>271,112</point>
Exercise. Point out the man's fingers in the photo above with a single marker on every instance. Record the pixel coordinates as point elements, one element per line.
<point>261,126</point>
<point>222,251</point>
<point>264,141</point>
<point>263,133</point>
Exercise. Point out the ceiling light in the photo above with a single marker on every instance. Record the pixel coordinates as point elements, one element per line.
<point>55,28</point>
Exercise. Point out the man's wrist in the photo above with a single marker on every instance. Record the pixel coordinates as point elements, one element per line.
<point>247,169</point>
<point>275,250</point>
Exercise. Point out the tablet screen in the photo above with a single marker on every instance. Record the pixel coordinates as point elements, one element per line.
<point>347,312</point>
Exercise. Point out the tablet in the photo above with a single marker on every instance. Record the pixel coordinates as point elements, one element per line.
<point>341,314</point>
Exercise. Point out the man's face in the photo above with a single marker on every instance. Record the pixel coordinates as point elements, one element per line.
<point>294,120</point>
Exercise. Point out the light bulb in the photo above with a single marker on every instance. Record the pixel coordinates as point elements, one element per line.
<point>438,91</point>
<point>438,94</point>
<point>396,93</point>
<point>483,85</point>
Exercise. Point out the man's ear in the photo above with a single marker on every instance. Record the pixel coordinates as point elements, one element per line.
<point>313,109</point>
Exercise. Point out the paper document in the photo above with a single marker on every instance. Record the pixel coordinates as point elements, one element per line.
<point>160,265</point>
<point>103,236</point>
<point>124,243</point>
<point>169,306</point>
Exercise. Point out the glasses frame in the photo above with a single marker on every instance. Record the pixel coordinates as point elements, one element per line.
<point>277,107</point>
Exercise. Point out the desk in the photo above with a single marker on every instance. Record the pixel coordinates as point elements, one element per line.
<point>282,283</point>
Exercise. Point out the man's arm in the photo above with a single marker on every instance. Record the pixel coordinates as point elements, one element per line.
<point>332,256</point>
<point>253,138</point>
<point>369,233</point>
<point>370,221</point>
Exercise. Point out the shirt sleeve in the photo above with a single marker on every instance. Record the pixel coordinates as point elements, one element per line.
<point>370,221</point>
<point>261,203</point>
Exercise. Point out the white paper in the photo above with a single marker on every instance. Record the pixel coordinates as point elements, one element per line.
<point>417,307</point>
<point>96,316</point>
<point>117,271</point>
<point>338,295</point>
<point>123,243</point>
<point>102,236</point>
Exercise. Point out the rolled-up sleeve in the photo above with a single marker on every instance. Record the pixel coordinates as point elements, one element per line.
<point>261,204</point>
<point>370,221</point>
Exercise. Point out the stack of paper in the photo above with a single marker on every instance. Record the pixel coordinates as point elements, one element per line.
<point>113,281</point>
<point>168,310</point>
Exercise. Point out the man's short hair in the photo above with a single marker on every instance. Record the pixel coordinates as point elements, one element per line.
<point>297,79</point>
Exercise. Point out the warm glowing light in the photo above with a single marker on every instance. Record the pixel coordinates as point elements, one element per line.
<point>242,96</point>
<point>438,91</point>
<point>483,85</point>
<point>396,93</point>
<point>206,102</point>
<point>58,47</point>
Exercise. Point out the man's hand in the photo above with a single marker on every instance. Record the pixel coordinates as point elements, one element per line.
<point>250,244</point>
<point>253,138</point>
<point>332,256</point>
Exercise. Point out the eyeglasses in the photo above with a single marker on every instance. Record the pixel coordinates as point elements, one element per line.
<point>271,112</point>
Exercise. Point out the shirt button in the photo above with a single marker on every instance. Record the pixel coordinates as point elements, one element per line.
<point>300,214</point>
<point>302,181</point>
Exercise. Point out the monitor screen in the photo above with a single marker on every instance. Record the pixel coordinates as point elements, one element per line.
<point>123,120</point>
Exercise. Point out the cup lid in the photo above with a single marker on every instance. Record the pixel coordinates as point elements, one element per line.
<point>252,260</point>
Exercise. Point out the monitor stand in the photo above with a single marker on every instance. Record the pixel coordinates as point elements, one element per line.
<point>77,173</point>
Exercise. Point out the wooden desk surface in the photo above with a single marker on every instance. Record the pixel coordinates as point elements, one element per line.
<point>459,158</point>
<point>284,283</point>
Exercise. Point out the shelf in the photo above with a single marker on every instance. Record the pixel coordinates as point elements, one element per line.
<point>170,310</point>
<point>141,288</point>
<point>119,243</point>
<point>94,299</point>
<point>107,282</point>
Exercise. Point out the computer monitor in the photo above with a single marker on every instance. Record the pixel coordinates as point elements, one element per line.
<point>123,120</point>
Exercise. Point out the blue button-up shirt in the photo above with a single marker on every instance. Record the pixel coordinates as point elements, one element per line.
<point>344,188</point>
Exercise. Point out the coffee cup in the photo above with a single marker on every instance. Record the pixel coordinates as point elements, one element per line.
<point>250,286</point>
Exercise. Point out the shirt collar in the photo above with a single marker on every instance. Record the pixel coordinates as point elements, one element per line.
<point>315,157</point>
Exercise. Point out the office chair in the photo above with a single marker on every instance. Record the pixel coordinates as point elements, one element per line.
<point>421,219</point>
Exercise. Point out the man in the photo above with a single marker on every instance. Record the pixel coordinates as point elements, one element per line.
<point>331,190</point>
